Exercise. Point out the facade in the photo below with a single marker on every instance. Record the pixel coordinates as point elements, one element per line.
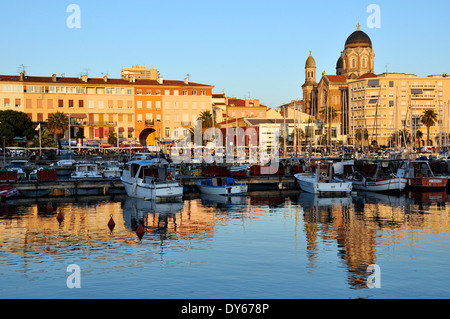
<point>139,72</point>
<point>393,102</point>
<point>135,109</point>
<point>382,104</point>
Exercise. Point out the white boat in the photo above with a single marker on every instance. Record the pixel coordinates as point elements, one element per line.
<point>221,186</point>
<point>86,170</point>
<point>111,169</point>
<point>149,180</point>
<point>377,176</point>
<point>321,181</point>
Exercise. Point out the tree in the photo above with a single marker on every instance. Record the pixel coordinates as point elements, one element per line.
<point>58,123</point>
<point>428,119</point>
<point>15,123</point>
<point>112,138</point>
<point>329,114</point>
<point>47,139</point>
<point>206,118</point>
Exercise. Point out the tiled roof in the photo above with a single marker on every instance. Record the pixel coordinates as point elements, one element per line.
<point>75,80</point>
<point>336,78</point>
<point>367,76</point>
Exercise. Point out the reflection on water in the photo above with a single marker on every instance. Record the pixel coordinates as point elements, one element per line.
<point>284,245</point>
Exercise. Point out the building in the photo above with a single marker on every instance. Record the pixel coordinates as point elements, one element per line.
<point>355,97</point>
<point>135,109</point>
<point>139,72</point>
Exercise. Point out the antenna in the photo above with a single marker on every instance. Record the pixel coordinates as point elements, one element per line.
<point>86,71</point>
<point>21,68</point>
<point>387,67</point>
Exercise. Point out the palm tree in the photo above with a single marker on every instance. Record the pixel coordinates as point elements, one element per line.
<point>428,119</point>
<point>329,113</point>
<point>112,138</point>
<point>206,118</point>
<point>58,123</point>
<point>46,140</point>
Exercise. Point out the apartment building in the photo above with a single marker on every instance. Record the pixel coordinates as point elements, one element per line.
<point>132,108</point>
<point>390,102</point>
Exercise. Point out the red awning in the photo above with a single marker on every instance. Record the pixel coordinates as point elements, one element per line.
<point>121,129</point>
<point>105,145</point>
<point>130,129</point>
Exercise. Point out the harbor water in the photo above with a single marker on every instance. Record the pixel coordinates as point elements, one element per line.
<point>274,245</point>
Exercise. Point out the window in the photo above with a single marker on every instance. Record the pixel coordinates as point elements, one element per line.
<point>166,105</point>
<point>353,63</point>
<point>79,90</point>
<point>139,104</point>
<point>101,104</point>
<point>18,103</point>
<point>118,90</point>
<point>363,62</point>
<point>119,104</point>
<point>70,103</point>
<point>81,103</point>
<point>175,92</point>
<point>149,105</point>
<point>6,103</point>
<point>139,91</point>
<point>167,92</point>
<point>202,92</point>
<point>149,92</point>
<point>158,105</point>
<point>194,92</point>
<point>108,91</point>
<point>129,91</point>
<point>110,104</point>
<point>391,84</point>
<point>157,92</point>
<point>60,103</point>
<point>139,118</point>
<point>167,132</point>
<point>185,92</point>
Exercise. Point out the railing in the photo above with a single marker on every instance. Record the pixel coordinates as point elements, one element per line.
<point>102,123</point>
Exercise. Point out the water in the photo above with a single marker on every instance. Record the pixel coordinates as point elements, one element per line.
<point>272,245</point>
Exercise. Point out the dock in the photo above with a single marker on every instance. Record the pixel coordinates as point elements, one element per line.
<point>115,184</point>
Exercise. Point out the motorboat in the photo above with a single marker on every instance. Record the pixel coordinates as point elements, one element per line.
<point>111,169</point>
<point>7,191</point>
<point>377,176</point>
<point>419,175</point>
<point>320,180</point>
<point>150,180</point>
<point>221,186</point>
<point>86,170</point>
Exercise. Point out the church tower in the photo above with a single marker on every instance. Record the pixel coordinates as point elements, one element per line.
<point>358,56</point>
<point>310,84</point>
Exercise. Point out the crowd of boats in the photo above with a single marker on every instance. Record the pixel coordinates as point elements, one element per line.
<point>152,177</point>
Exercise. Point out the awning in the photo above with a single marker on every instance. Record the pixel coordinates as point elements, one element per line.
<point>78,116</point>
<point>130,129</point>
<point>121,129</point>
<point>373,101</point>
<point>105,145</point>
<point>373,83</point>
<point>416,91</point>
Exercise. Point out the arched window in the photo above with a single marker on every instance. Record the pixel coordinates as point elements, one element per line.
<point>353,63</point>
<point>363,62</point>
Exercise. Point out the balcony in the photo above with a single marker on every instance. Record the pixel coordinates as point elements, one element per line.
<point>423,86</point>
<point>423,96</point>
<point>102,123</point>
<point>186,123</point>
<point>149,123</point>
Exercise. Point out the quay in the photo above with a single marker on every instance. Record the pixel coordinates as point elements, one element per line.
<point>115,184</point>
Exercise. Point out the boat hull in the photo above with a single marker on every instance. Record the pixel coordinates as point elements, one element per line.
<point>382,185</point>
<point>156,191</point>
<point>427,183</point>
<point>239,189</point>
<point>309,184</point>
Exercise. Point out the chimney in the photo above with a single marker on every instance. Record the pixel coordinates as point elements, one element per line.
<point>186,80</point>
<point>84,78</point>
<point>160,80</point>
<point>132,79</point>
<point>105,78</point>
<point>22,75</point>
<point>247,103</point>
<point>255,102</point>
<point>54,78</point>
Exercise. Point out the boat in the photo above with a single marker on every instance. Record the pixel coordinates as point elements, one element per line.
<point>221,186</point>
<point>7,191</point>
<point>63,167</point>
<point>111,169</point>
<point>86,170</point>
<point>377,176</point>
<point>149,180</point>
<point>419,175</point>
<point>321,180</point>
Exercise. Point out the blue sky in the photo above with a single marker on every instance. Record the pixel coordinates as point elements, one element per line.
<point>244,48</point>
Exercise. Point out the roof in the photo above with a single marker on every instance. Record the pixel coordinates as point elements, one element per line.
<point>336,78</point>
<point>94,81</point>
<point>358,39</point>
<point>367,76</point>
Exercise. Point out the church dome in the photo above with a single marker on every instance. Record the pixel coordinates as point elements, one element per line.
<point>310,62</point>
<point>358,39</point>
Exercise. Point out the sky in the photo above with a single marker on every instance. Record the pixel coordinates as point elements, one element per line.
<point>245,49</point>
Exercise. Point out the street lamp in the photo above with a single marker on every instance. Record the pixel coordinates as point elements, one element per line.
<point>4,151</point>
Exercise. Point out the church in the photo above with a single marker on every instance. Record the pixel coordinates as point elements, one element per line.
<point>355,62</point>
